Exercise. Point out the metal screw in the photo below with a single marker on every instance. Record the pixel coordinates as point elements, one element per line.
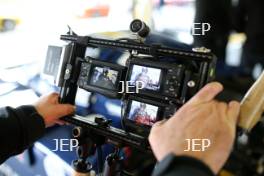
<point>191,83</point>
<point>201,50</point>
<point>134,52</point>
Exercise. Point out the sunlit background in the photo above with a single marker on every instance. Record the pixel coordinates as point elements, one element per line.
<point>28,27</point>
<point>34,24</point>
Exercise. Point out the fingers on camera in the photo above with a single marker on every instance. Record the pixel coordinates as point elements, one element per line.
<point>64,109</point>
<point>207,93</point>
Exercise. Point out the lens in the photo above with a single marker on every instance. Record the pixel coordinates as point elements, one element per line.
<point>136,25</point>
<point>76,132</point>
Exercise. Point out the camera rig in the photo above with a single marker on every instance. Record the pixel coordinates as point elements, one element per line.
<point>166,77</point>
<point>182,74</point>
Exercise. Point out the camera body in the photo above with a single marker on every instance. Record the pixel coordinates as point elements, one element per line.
<point>94,77</point>
<point>153,84</point>
<point>151,88</point>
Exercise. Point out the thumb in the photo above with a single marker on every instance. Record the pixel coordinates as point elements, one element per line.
<point>207,93</point>
<point>64,109</point>
<point>155,129</point>
<point>233,111</point>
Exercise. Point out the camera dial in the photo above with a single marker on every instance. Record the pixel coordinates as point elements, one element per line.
<point>139,27</point>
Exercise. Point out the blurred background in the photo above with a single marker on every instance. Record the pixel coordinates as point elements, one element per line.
<point>27,27</point>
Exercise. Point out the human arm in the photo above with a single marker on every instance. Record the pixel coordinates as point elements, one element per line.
<point>20,127</point>
<point>202,117</point>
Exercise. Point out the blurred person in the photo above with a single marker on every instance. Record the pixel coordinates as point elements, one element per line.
<point>221,15</point>
<point>142,78</point>
<point>140,115</point>
<point>202,117</point>
<point>20,127</point>
<point>95,76</point>
<point>249,19</point>
<point>104,80</point>
<point>218,15</point>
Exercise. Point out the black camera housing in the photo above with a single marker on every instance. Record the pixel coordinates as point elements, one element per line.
<point>170,78</point>
<point>165,87</point>
<point>161,111</point>
<point>162,99</point>
<point>173,76</point>
<point>139,27</point>
<point>109,88</point>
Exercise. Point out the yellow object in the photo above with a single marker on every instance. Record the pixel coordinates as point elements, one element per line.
<point>225,173</point>
<point>143,10</point>
<point>237,38</point>
<point>252,105</point>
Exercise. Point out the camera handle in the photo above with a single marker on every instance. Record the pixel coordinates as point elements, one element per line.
<point>113,165</point>
<point>88,144</point>
<point>81,166</point>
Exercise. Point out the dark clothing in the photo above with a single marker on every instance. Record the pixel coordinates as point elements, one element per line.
<point>249,18</point>
<point>218,15</point>
<point>19,128</point>
<point>181,166</point>
<point>249,60</point>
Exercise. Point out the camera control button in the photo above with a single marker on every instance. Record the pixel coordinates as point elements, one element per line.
<point>171,89</point>
<point>171,83</point>
<point>170,70</point>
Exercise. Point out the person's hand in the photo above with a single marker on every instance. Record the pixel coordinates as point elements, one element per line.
<point>200,118</point>
<point>49,108</point>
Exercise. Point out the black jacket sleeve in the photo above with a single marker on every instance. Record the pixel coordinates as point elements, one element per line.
<point>19,128</point>
<point>181,166</point>
<point>240,16</point>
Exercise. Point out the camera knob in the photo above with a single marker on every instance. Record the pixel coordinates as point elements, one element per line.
<point>76,132</point>
<point>139,27</point>
<point>103,122</point>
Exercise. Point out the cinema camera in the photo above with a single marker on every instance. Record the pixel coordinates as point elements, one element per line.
<point>153,84</point>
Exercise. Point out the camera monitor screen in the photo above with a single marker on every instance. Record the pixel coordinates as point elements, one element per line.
<point>147,77</point>
<point>143,113</point>
<point>104,77</point>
